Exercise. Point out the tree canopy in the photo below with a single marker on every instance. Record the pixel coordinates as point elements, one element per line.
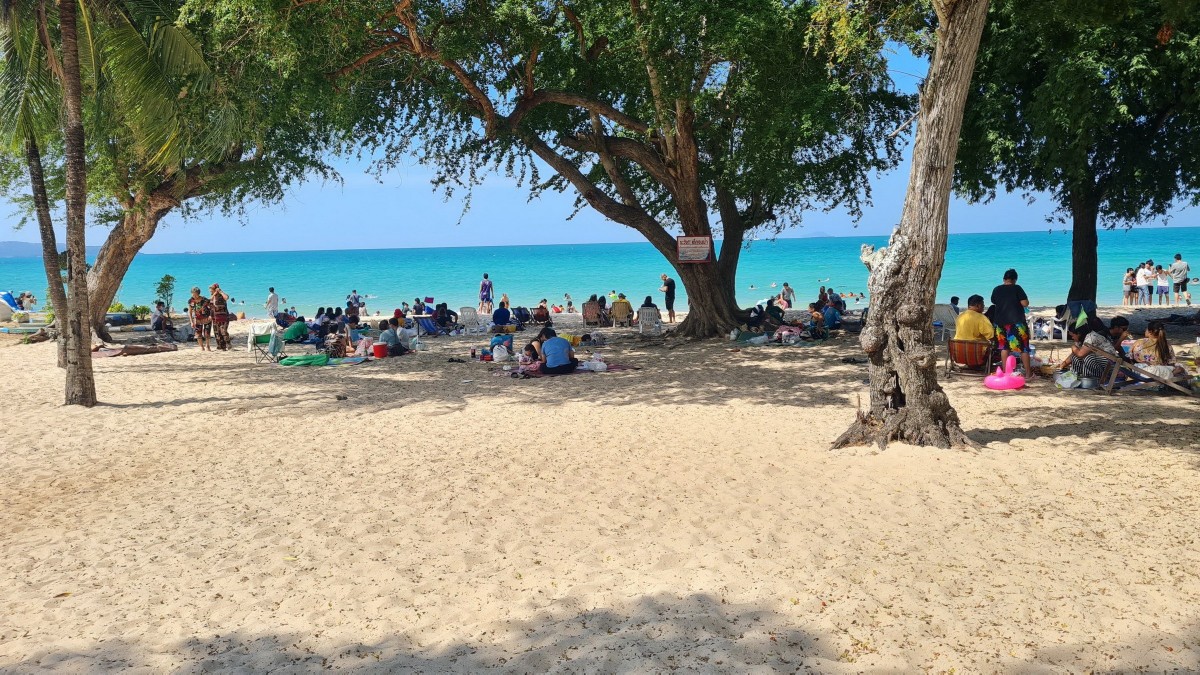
<point>669,117</point>
<point>1097,105</point>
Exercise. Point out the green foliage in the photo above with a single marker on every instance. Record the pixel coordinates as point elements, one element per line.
<point>165,290</point>
<point>140,312</point>
<point>115,308</point>
<point>1097,104</point>
<point>779,126</point>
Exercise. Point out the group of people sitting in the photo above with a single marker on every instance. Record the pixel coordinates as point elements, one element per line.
<point>822,316</point>
<point>616,309</point>
<point>1095,347</point>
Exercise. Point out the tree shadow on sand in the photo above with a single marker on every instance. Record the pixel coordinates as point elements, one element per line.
<point>652,633</point>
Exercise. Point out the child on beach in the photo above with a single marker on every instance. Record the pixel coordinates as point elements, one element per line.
<point>1164,285</point>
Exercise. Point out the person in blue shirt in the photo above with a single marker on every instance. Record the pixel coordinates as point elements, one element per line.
<point>558,357</point>
<point>833,318</point>
<point>502,317</point>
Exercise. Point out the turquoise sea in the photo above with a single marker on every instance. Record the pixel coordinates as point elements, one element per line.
<point>307,279</point>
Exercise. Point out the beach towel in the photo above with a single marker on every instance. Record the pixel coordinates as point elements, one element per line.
<point>306,360</point>
<point>348,361</point>
<point>612,368</point>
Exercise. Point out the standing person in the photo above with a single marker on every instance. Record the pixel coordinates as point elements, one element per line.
<point>272,303</point>
<point>789,294</point>
<point>356,300</point>
<point>1179,271</point>
<point>668,289</point>
<point>486,293</point>
<point>1145,276</point>
<point>1012,332</point>
<point>220,316</point>
<point>1128,286</point>
<point>199,310</point>
<point>1163,280</point>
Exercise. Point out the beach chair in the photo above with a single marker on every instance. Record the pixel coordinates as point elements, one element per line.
<point>591,313</point>
<point>649,319</point>
<point>521,316</point>
<point>1140,380</point>
<point>622,312</point>
<point>469,318</point>
<point>430,327</point>
<point>265,342</point>
<point>970,357</point>
<point>1061,323</point>
<point>541,315</point>
<point>944,320</point>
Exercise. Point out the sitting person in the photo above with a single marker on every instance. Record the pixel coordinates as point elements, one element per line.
<point>337,344</point>
<point>971,324</point>
<point>389,337</point>
<point>1153,353</point>
<point>159,320</point>
<point>297,331</point>
<point>774,313</point>
<point>502,316</point>
<point>831,315</point>
<point>1093,350</point>
<point>445,317</point>
<point>557,355</point>
<point>622,307</point>
<point>283,319</point>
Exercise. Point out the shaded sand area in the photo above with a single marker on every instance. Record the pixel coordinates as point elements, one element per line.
<point>215,515</point>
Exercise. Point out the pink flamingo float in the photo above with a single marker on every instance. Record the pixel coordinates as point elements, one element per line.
<point>1006,379</point>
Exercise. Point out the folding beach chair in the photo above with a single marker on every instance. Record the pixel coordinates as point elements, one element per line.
<point>649,319</point>
<point>470,320</point>
<point>540,315</point>
<point>591,313</point>
<point>521,316</point>
<point>265,342</point>
<point>970,357</point>
<point>1140,380</point>
<point>944,320</point>
<point>1061,323</point>
<point>430,327</point>
<point>622,312</point>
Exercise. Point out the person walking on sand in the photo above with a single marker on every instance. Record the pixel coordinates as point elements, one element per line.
<point>1179,272</point>
<point>199,310</point>
<point>1012,331</point>
<point>220,316</point>
<point>668,289</point>
<point>272,303</point>
<point>486,291</point>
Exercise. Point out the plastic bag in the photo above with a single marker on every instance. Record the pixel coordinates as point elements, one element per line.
<point>500,353</point>
<point>1066,380</point>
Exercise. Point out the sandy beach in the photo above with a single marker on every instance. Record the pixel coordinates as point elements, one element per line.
<point>414,514</point>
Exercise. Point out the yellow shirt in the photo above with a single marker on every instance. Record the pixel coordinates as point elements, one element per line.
<point>972,325</point>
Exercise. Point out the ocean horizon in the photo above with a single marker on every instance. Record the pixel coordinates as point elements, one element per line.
<point>975,263</point>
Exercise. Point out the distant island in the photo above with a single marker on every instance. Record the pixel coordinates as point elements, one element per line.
<point>25,249</point>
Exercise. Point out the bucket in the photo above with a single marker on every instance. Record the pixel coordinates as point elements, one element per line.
<point>380,350</point>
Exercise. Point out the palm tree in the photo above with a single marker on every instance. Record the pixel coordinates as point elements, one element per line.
<point>135,61</point>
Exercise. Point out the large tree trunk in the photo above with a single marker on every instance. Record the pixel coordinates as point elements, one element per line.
<point>80,383</point>
<point>41,203</point>
<point>135,228</point>
<point>712,308</point>
<point>1084,245</point>
<point>907,404</point>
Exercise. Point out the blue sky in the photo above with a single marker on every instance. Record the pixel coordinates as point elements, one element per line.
<point>403,211</point>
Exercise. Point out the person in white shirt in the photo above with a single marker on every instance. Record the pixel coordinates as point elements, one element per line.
<point>272,303</point>
<point>1145,277</point>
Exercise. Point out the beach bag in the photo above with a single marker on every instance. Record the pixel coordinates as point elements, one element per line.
<point>500,353</point>
<point>1066,380</point>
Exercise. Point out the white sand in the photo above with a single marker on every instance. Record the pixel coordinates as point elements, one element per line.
<point>218,515</point>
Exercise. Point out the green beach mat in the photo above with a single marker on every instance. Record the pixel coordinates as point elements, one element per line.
<point>306,360</point>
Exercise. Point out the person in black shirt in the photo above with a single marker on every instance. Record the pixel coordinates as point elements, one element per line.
<point>668,289</point>
<point>1012,331</point>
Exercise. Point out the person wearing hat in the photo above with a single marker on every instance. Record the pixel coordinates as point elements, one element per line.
<point>220,316</point>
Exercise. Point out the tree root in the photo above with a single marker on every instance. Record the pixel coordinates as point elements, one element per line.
<point>900,426</point>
